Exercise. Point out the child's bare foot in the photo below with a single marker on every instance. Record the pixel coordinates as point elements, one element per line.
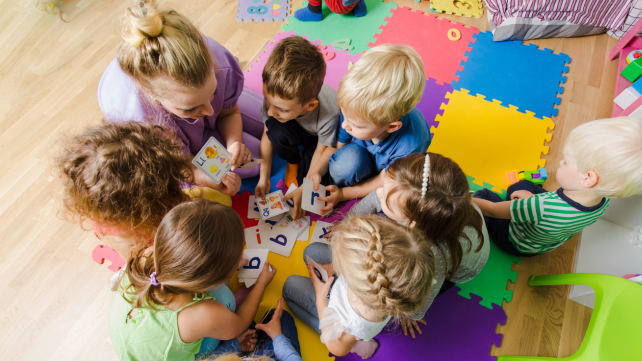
<point>365,349</point>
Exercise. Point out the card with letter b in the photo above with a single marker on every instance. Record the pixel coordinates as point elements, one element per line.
<point>309,197</point>
<point>256,258</point>
<point>214,160</point>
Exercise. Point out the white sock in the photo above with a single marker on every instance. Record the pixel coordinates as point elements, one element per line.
<point>365,349</point>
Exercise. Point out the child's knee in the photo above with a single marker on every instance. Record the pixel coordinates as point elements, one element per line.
<point>350,165</point>
<point>318,252</point>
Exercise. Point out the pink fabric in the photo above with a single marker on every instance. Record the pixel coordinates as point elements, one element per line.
<point>121,101</point>
<point>600,13</point>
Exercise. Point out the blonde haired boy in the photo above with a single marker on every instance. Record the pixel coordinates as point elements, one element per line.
<point>380,123</point>
<point>602,159</point>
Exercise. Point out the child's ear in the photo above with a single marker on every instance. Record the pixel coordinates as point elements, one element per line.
<point>311,105</point>
<point>412,224</point>
<point>394,126</point>
<point>589,179</point>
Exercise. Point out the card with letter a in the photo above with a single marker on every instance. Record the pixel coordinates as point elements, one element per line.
<point>309,197</point>
<point>272,205</point>
<point>214,160</point>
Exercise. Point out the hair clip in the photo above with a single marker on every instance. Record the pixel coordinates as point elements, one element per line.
<point>152,277</point>
<point>424,182</point>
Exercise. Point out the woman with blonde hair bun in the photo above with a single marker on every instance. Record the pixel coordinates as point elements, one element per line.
<point>167,72</point>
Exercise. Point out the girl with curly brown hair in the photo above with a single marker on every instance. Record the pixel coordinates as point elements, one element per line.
<point>123,179</point>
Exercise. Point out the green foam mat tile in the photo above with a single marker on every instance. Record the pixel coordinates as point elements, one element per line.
<point>333,27</point>
<point>490,284</point>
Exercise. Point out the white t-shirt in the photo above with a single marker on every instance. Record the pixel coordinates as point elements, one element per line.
<point>340,317</point>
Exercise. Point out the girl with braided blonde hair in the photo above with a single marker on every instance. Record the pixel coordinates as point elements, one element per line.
<point>385,270</point>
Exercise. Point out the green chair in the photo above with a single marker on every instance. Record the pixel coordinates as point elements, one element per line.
<point>615,330</point>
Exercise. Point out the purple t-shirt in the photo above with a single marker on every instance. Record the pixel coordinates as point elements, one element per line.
<point>121,101</point>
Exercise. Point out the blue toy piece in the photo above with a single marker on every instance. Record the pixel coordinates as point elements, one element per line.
<point>515,74</point>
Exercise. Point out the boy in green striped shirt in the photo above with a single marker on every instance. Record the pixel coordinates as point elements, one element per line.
<point>602,159</point>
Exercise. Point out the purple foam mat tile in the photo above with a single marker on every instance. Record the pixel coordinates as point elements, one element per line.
<point>262,10</point>
<point>457,329</point>
<point>337,63</point>
<point>430,103</point>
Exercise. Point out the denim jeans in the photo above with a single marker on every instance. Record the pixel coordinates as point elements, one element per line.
<point>264,342</point>
<point>298,291</point>
<point>351,165</point>
<point>498,228</point>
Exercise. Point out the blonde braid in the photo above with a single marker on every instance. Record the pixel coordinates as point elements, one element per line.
<point>375,266</point>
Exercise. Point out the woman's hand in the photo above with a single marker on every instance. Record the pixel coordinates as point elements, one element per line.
<point>230,184</point>
<point>240,154</point>
<point>273,328</point>
<point>410,325</point>
<point>247,340</point>
<point>335,196</point>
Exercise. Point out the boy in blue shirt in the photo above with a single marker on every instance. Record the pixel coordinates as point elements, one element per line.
<point>379,121</point>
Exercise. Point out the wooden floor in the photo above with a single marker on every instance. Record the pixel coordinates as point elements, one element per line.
<point>54,300</point>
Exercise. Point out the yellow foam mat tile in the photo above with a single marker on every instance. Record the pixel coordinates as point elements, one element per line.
<point>467,8</point>
<point>487,139</point>
<point>311,347</point>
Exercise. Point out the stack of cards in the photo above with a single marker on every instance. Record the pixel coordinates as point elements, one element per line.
<point>279,238</point>
<point>249,273</point>
<point>272,205</point>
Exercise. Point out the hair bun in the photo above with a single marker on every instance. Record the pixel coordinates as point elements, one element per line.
<point>142,21</point>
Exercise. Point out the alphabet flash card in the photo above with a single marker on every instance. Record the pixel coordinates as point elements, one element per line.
<point>309,200</point>
<point>284,235</point>
<point>318,270</point>
<point>320,229</point>
<point>257,258</point>
<point>272,205</point>
<point>214,160</point>
<point>253,163</point>
<point>255,237</point>
<point>305,235</point>
<point>252,209</point>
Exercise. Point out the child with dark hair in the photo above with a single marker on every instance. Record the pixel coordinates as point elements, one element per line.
<point>298,110</point>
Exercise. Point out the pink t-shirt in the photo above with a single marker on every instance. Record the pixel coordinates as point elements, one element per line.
<point>121,101</point>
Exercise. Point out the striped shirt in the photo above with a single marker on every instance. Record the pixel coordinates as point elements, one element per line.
<point>544,221</point>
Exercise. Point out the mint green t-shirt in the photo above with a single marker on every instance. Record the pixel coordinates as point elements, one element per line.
<point>149,334</point>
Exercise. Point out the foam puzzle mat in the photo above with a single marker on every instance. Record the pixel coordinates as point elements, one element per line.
<point>431,38</point>
<point>262,10</point>
<point>335,27</point>
<point>467,8</point>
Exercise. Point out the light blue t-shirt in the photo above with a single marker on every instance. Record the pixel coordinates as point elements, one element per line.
<point>412,137</point>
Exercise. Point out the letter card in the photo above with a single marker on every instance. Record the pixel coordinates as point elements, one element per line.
<point>272,205</point>
<point>320,272</point>
<point>309,200</point>
<point>320,229</point>
<point>214,160</point>
<point>252,209</point>
<point>284,235</point>
<point>253,163</point>
<point>257,258</point>
<point>255,237</point>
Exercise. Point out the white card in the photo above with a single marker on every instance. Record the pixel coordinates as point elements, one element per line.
<point>270,222</point>
<point>320,228</point>
<point>249,282</point>
<point>291,189</point>
<point>257,258</point>
<point>273,205</point>
<point>256,236</point>
<point>305,235</point>
<point>252,209</point>
<point>214,160</point>
<point>281,240</point>
<point>253,163</point>
<point>320,272</point>
<point>309,200</point>
<point>287,221</point>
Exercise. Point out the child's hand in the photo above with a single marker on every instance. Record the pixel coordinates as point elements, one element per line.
<point>316,180</point>
<point>328,235</point>
<point>320,288</point>
<point>247,340</point>
<point>521,194</point>
<point>240,154</point>
<point>296,196</point>
<point>335,196</point>
<point>262,187</point>
<point>267,274</point>
<point>230,184</point>
<point>410,325</point>
<point>273,328</point>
